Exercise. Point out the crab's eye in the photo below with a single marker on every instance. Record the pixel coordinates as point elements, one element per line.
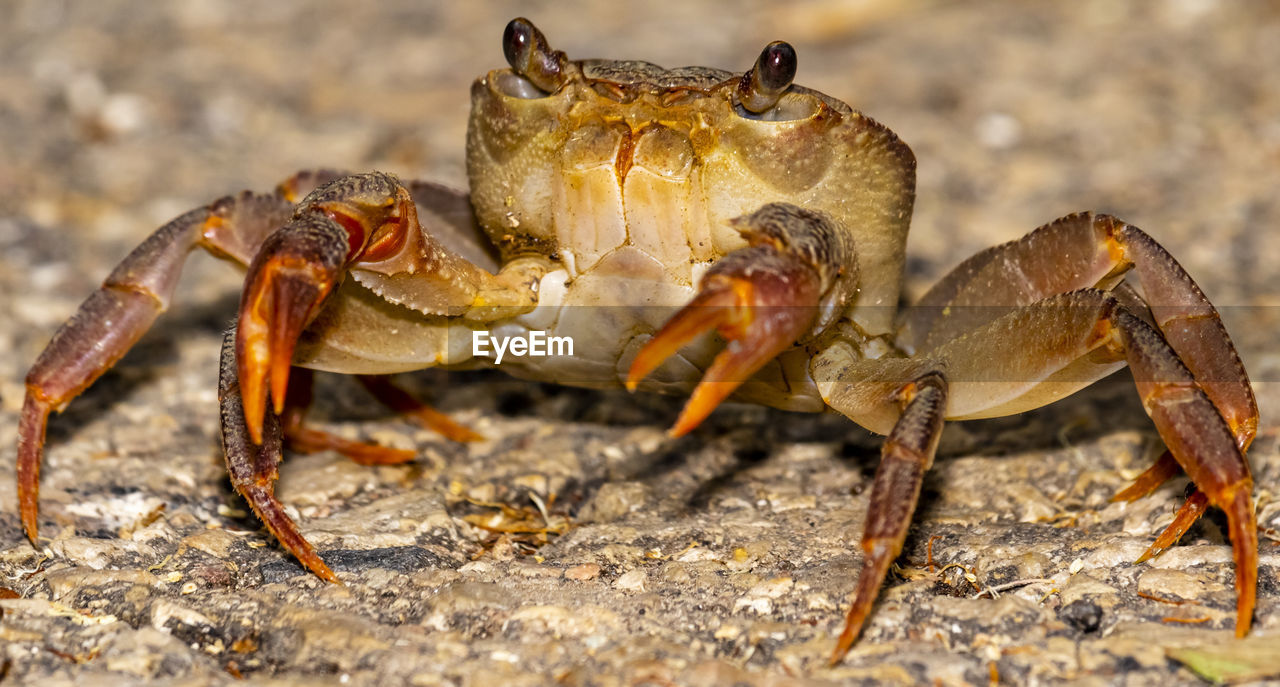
<point>762,87</point>
<point>529,55</point>
<point>516,40</point>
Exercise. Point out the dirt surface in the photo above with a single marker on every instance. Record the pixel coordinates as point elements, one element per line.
<point>724,557</point>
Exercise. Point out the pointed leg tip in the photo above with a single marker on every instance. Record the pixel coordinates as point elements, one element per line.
<point>841,650</point>
<point>31,529</point>
<point>448,428</point>
<point>31,435</point>
<point>852,629</point>
<point>323,572</point>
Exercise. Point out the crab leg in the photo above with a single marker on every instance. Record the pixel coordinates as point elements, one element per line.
<point>1086,250</point>
<point>298,437</point>
<point>1090,251</point>
<point>1165,468</point>
<point>1204,444</point>
<point>1051,348</point>
<point>906,455</point>
<point>235,227</point>
<point>113,318</point>
<point>402,402</point>
<point>253,465</point>
<point>762,298</point>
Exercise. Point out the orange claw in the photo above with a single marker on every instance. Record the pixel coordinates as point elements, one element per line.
<point>760,299</point>
<point>282,296</point>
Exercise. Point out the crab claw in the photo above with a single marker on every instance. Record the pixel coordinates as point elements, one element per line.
<point>761,298</point>
<point>298,266</point>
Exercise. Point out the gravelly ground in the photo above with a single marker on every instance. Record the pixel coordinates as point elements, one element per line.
<point>724,557</point>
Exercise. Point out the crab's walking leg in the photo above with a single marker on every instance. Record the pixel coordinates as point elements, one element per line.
<point>1090,251</point>
<point>1049,349</point>
<point>1166,467</point>
<point>253,465</point>
<point>402,402</point>
<point>1203,443</point>
<point>906,455</point>
<point>111,320</point>
<point>1086,250</point>
<point>305,439</point>
<point>762,298</point>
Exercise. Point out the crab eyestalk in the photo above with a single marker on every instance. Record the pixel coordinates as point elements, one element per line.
<point>530,56</point>
<point>762,86</point>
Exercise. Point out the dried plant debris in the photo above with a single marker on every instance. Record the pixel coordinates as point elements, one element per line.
<point>1255,658</point>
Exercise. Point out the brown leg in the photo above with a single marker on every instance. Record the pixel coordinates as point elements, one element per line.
<point>403,402</point>
<point>1085,250</point>
<point>253,466</point>
<point>304,439</point>
<point>1201,440</point>
<point>1195,506</point>
<point>1164,469</point>
<point>1191,325</point>
<point>1090,251</point>
<point>906,455</point>
<point>1081,333</point>
<point>113,318</point>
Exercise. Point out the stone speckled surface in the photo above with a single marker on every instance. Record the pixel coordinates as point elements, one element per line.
<point>722,558</point>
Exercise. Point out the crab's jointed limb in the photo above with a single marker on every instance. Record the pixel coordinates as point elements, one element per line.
<point>296,256</point>
<point>906,455</point>
<point>114,317</point>
<point>1085,250</point>
<point>1001,306</point>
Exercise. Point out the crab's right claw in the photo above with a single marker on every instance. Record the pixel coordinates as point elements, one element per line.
<point>356,219</point>
<point>297,267</point>
<point>762,299</point>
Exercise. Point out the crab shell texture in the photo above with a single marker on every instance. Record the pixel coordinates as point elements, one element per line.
<point>629,174</point>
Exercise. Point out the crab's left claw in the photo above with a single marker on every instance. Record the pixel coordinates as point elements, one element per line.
<point>762,298</point>
<point>359,218</point>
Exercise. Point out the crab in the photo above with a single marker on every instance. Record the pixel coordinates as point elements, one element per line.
<point>692,231</point>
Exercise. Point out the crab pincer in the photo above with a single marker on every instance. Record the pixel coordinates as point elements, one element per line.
<point>362,218</point>
<point>762,298</point>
